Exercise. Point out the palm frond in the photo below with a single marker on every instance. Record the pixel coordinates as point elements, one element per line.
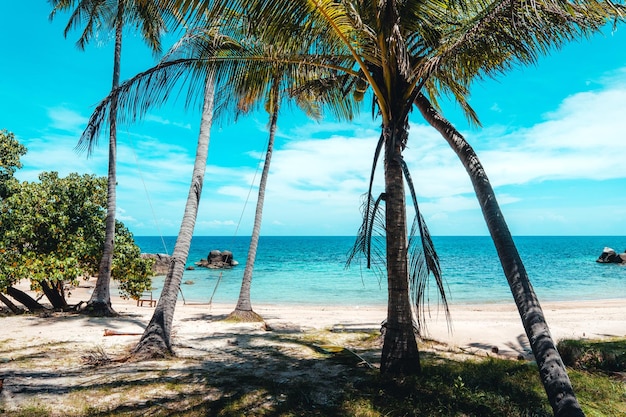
<point>370,240</point>
<point>370,213</point>
<point>423,259</point>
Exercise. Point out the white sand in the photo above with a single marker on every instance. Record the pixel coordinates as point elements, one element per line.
<point>477,328</point>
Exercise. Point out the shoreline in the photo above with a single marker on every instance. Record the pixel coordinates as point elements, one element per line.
<point>475,328</point>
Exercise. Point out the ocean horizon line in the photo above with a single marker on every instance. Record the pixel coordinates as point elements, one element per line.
<point>354,236</point>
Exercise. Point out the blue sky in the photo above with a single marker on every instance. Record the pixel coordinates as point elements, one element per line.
<point>552,144</point>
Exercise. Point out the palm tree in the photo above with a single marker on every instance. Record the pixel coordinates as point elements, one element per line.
<point>110,15</point>
<point>558,386</point>
<point>243,310</point>
<point>151,88</point>
<point>267,77</point>
<point>156,339</point>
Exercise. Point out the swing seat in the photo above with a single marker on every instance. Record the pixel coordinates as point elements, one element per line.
<point>146,297</point>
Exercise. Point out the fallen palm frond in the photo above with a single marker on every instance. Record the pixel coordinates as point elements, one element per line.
<point>96,357</point>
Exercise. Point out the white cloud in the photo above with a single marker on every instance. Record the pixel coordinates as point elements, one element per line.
<point>579,140</point>
<point>320,170</point>
<point>66,119</point>
<point>160,120</point>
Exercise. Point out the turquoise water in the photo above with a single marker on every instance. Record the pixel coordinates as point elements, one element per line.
<point>311,270</point>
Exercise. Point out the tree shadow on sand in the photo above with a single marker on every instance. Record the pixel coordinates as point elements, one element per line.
<point>240,370</point>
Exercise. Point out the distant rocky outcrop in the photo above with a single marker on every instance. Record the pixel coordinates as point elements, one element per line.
<point>218,260</point>
<point>161,262</point>
<point>610,256</point>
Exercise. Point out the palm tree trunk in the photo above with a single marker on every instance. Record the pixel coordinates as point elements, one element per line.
<point>551,368</point>
<point>100,302</point>
<point>243,310</point>
<point>156,339</point>
<point>400,354</point>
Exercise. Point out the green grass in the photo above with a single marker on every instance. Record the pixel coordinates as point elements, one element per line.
<point>594,355</point>
<point>446,387</point>
<point>598,374</point>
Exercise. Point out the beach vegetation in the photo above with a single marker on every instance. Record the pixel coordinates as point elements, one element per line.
<point>112,16</point>
<point>52,232</point>
<point>594,355</point>
<point>400,52</point>
<point>278,374</point>
<point>11,150</point>
<point>35,409</point>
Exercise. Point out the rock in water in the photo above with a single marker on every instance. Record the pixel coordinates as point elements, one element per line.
<point>218,260</point>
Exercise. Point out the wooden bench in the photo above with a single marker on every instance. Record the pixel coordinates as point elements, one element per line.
<point>146,297</point>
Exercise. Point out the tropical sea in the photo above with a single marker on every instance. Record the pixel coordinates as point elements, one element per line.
<point>312,270</point>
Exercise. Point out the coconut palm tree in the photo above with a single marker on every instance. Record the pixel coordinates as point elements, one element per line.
<point>156,339</point>
<point>269,77</point>
<point>97,15</point>
<point>558,386</point>
<point>243,310</point>
<point>134,97</point>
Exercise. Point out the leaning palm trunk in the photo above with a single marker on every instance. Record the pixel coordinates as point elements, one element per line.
<point>156,339</point>
<point>551,368</point>
<point>400,354</point>
<point>100,302</point>
<point>243,311</point>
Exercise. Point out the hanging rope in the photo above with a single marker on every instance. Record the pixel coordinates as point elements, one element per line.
<point>156,223</point>
<point>256,172</point>
<point>245,204</point>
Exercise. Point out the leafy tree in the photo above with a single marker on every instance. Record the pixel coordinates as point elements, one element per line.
<point>11,150</point>
<point>115,16</point>
<point>52,232</point>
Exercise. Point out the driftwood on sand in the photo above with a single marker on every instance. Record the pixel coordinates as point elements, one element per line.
<point>109,332</point>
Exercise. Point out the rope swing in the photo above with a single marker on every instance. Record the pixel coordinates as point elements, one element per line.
<point>156,222</point>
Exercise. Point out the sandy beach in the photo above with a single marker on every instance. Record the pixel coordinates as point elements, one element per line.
<point>476,328</point>
<point>43,356</point>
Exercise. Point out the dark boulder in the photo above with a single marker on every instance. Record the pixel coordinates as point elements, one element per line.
<point>161,262</point>
<point>218,260</point>
<point>609,256</point>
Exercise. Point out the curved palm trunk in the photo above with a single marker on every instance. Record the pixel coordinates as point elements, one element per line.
<point>551,368</point>
<point>400,354</point>
<point>100,301</point>
<point>156,339</point>
<point>243,310</point>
